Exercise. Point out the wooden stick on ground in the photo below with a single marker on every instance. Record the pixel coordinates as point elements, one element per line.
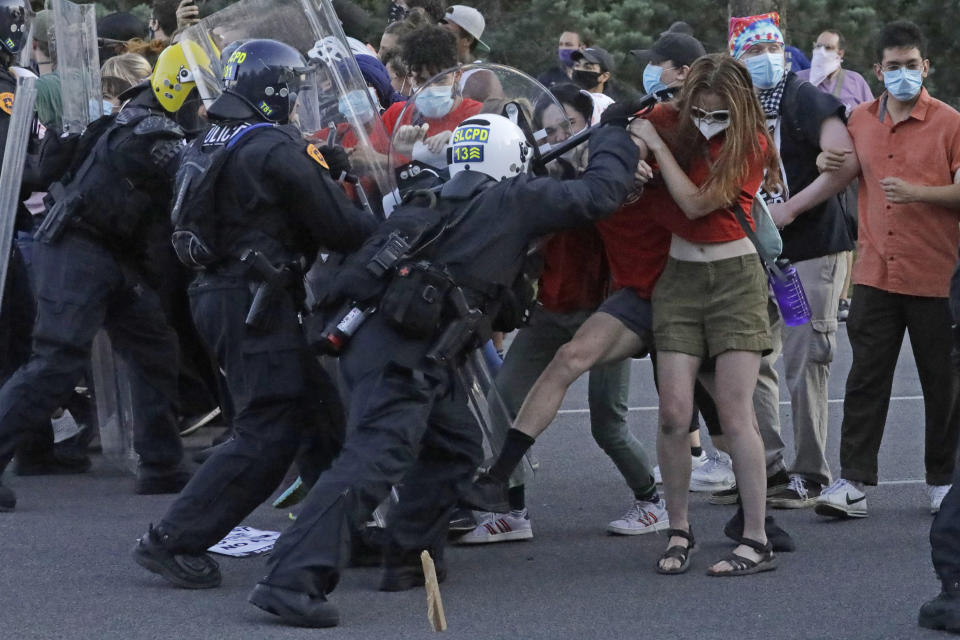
<point>434,602</point>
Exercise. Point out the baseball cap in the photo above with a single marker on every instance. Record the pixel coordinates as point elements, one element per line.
<point>679,27</point>
<point>681,48</point>
<point>468,19</point>
<point>595,55</point>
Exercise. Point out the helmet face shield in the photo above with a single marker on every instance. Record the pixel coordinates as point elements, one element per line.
<point>424,138</point>
<point>13,25</point>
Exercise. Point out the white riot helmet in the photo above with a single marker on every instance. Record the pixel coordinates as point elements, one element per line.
<point>489,144</point>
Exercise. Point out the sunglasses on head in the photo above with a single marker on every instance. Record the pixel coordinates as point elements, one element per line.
<point>721,115</point>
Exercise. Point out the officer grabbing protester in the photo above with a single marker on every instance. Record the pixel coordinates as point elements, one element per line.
<point>254,205</point>
<point>441,272</point>
<point>89,273</point>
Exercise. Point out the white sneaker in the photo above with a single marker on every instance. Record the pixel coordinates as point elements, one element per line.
<point>936,493</point>
<point>641,517</point>
<point>500,527</point>
<point>842,500</point>
<point>716,474</point>
<point>695,463</point>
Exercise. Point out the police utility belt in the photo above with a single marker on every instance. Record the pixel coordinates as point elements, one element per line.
<point>419,299</point>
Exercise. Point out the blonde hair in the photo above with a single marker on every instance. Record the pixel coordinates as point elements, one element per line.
<point>132,68</point>
<point>725,77</point>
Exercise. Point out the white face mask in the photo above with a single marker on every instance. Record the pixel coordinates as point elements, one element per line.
<point>709,128</point>
<point>823,64</point>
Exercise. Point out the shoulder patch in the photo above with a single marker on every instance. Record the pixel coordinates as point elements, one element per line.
<point>6,102</point>
<point>314,153</point>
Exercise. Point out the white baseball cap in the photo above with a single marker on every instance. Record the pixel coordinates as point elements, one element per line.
<point>468,19</point>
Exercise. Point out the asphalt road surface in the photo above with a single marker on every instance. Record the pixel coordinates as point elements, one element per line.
<point>66,571</point>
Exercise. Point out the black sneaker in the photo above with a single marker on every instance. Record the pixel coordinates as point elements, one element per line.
<point>183,570</point>
<point>295,608</point>
<point>799,494</point>
<point>775,484</point>
<point>8,499</point>
<point>153,480</point>
<point>943,612</point>
<point>404,571</point>
<point>778,537</point>
<point>487,494</point>
<point>843,310</point>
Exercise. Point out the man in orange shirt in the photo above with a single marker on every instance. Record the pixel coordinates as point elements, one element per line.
<point>908,146</point>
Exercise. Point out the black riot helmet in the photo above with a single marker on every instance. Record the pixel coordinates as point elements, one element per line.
<point>263,76</point>
<point>13,25</point>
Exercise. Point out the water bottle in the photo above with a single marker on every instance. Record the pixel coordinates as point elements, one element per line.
<point>791,298</point>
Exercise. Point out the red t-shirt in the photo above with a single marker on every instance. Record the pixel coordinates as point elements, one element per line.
<point>636,244</point>
<point>449,122</point>
<point>575,274</point>
<point>720,225</point>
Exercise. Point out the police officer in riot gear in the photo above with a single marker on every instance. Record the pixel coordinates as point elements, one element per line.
<point>409,425</point>
<point>88,276</point>
<point>254,205</point>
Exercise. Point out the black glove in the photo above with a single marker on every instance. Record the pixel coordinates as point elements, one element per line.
<point>619,114</point>
<point>337,159</point>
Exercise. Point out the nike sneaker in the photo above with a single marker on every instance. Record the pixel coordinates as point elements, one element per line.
<point>842,500</point>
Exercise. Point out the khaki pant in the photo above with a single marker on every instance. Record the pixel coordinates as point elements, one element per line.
<point>808,351</point>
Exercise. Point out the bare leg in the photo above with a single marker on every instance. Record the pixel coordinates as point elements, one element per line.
<point>601,339</point>
<point>677,373</point>
<point>735,380</point>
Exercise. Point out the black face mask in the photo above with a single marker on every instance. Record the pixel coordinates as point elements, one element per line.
<point>586,79</point>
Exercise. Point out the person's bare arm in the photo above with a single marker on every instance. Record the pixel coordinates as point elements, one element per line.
<point>833,136</point>
<point>685,193</point>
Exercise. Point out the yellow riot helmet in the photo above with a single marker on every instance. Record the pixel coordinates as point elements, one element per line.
<point>173,79</point>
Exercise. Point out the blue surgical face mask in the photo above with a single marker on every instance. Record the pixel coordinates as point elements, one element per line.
<point>766,70</point>
<point>903,84</point>
<point>357,103</point>
<point>565,56</point>
<point>435,102</point>
<point>652,78</point>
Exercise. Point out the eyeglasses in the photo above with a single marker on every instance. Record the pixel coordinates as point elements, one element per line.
<point>719,116</point>
<point>913,65</point>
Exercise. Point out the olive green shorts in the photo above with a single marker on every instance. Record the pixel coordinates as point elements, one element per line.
<point>706,308</point>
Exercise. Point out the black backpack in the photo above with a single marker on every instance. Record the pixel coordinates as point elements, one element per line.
<point>195,230</point>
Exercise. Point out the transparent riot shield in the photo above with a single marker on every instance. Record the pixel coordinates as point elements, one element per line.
<point>78,64</point>
<point>487,406</point>
<point>115,408</point>
<point>334,105</point>
<point>204,61</point>
<point>11,173</point>
<point>422,134</point>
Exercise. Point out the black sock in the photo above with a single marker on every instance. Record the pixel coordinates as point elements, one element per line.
<point>516,498</point>
<point>650,496</point>
<point>514,447</point>
<point>696,452</point>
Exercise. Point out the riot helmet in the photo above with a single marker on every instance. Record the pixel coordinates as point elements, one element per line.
<point>175,86</point>
<point>265,75</point>
<point>490,144</point>
<point>13,27</point>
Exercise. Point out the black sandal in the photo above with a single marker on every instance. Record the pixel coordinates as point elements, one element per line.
<point>742,566</point>
<point>678,552</point>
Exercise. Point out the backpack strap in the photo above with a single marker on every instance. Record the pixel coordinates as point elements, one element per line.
<point>770,262</point>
